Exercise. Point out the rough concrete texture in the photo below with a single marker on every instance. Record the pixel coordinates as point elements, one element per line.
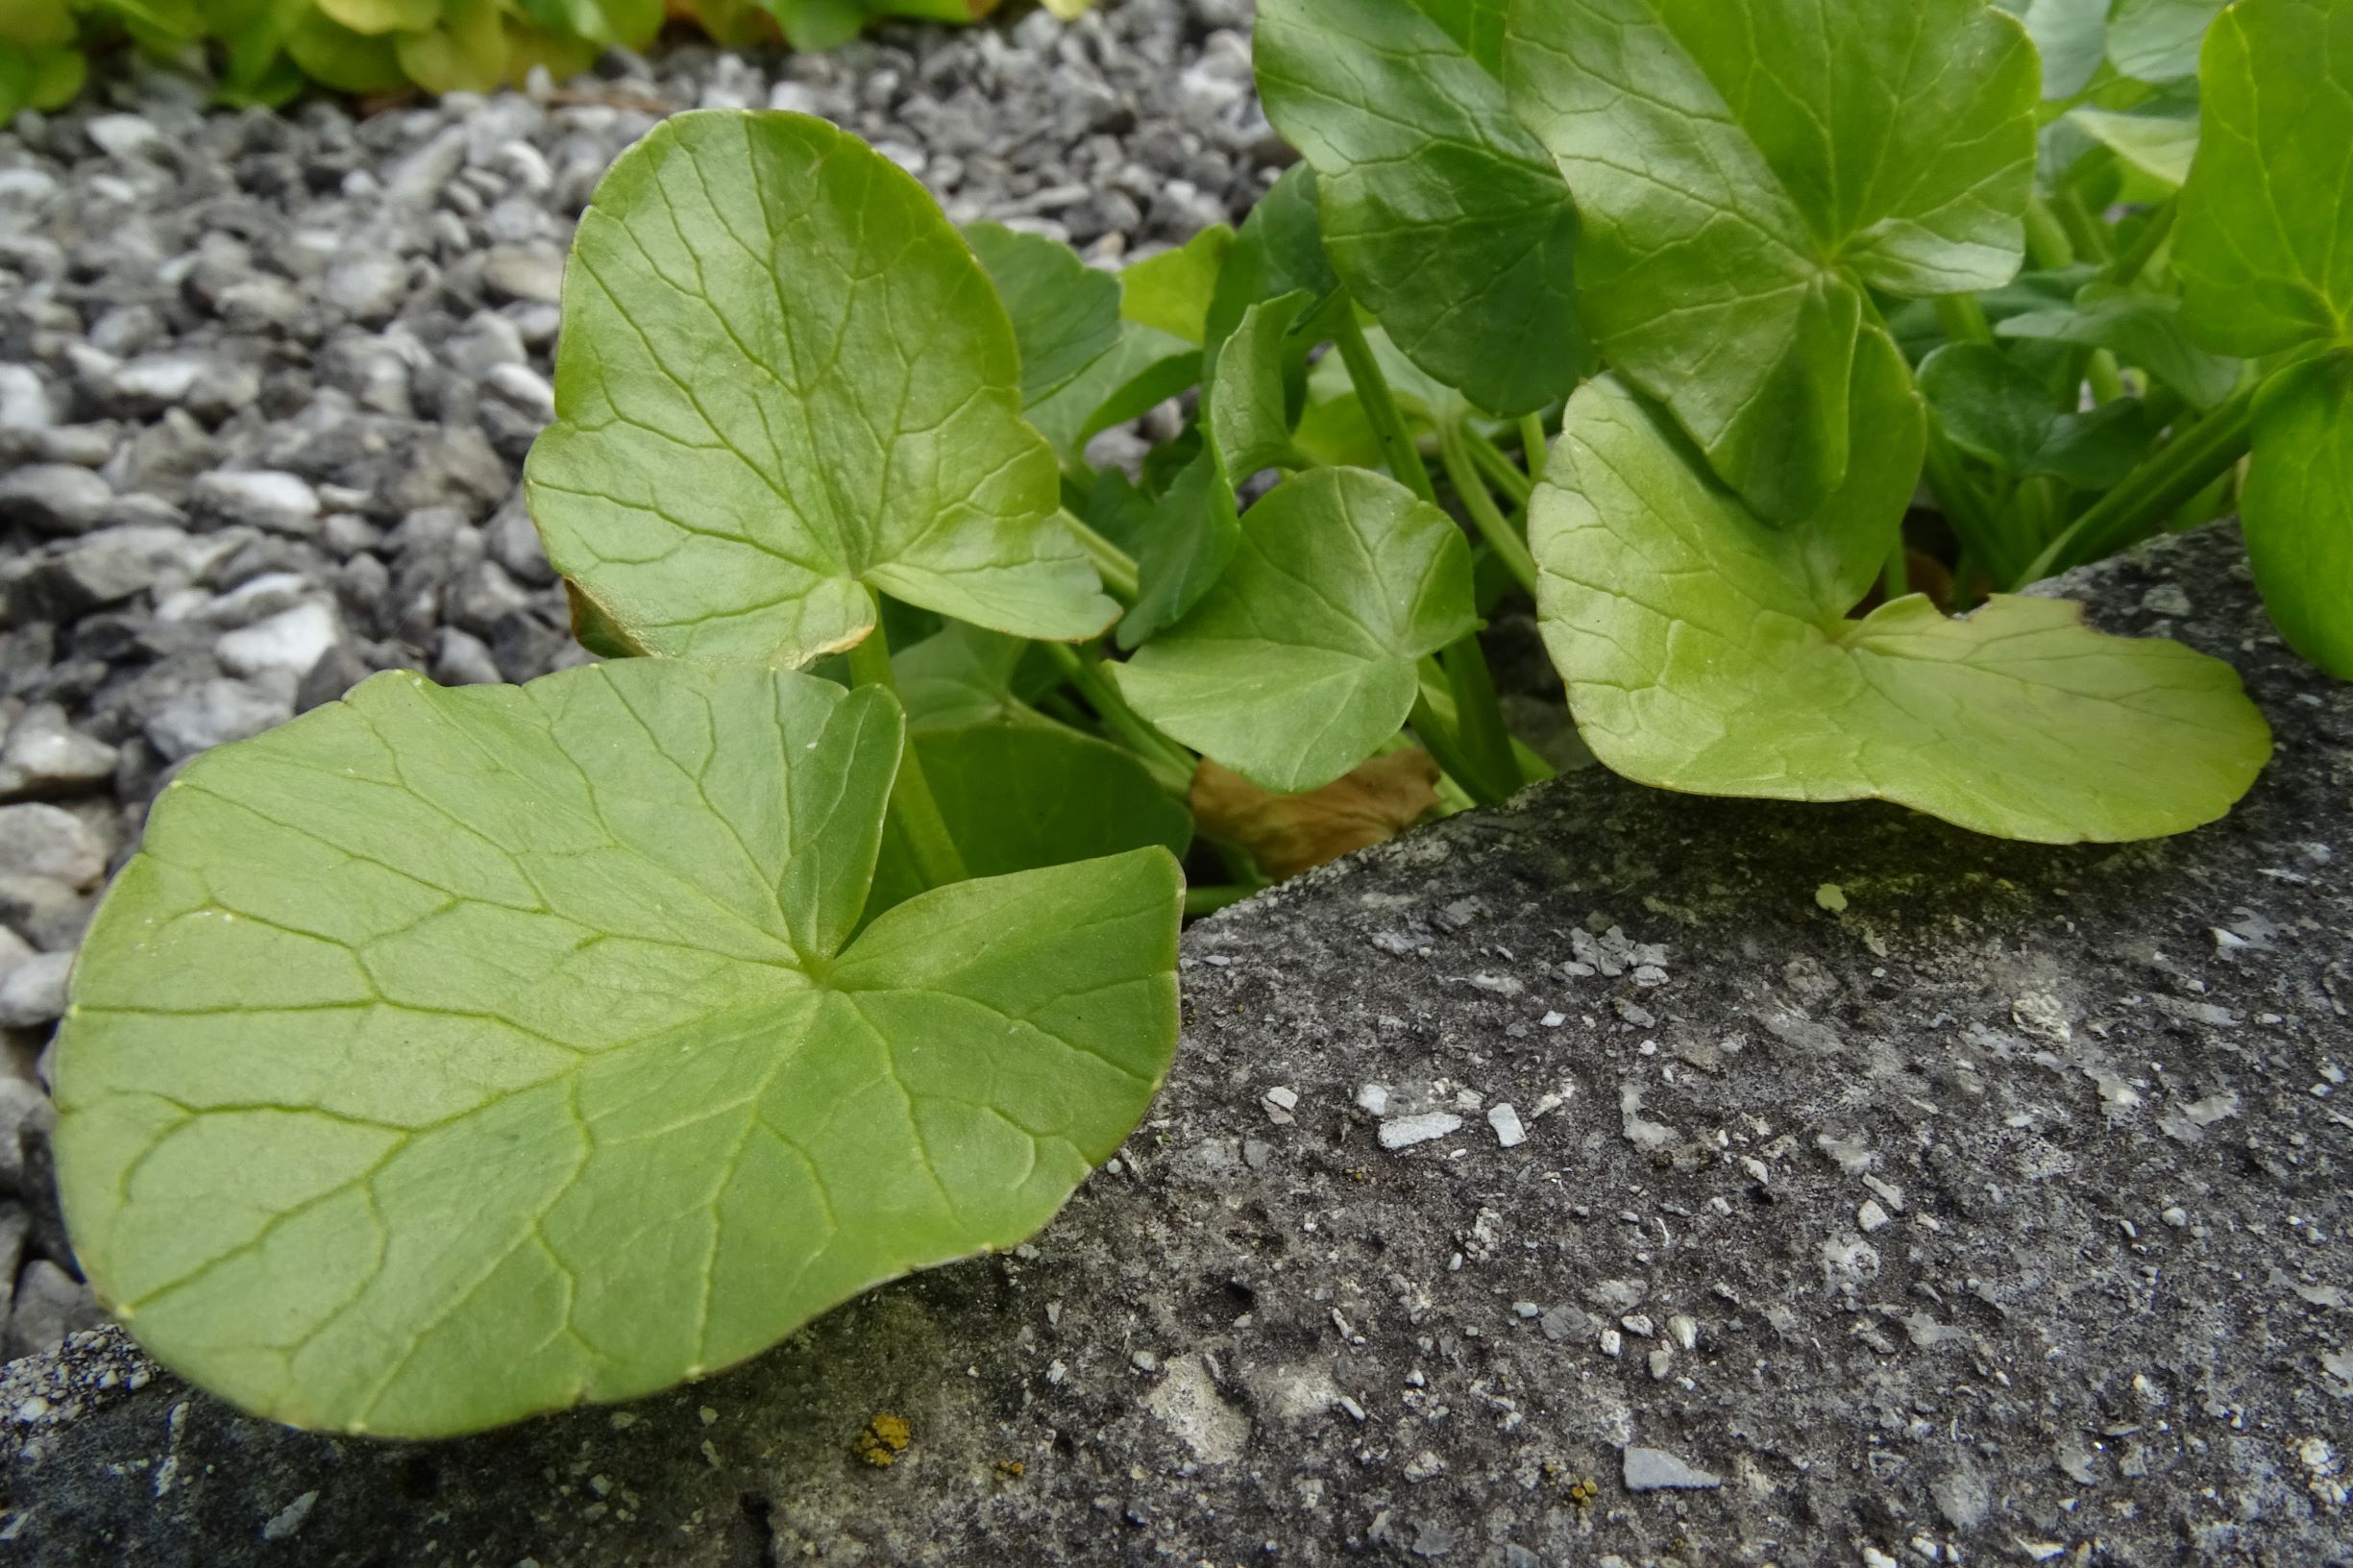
<point>1883,1195</point>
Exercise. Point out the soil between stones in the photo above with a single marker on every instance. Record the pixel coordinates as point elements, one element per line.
<point>1887,1196</point>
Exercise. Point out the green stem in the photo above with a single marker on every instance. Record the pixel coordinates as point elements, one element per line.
<point>1478,718</point>
<point>2153,493</point>
<point>1896,577</point>
<point>1963,318</point>
<point>2130,263</point>
<point>2107,382</point>
<point>1958,498</point>
<point>913,811</point>
<point>1533,446</point>
<point>1506,541</point>
<point>2047,246</point>
<point>1200,901</point>
<point>1437,733</point>
<point>1114,565</point>
<point>2086,233</point>
<point>1169,763</point>
<point>1499,469</point>
<point>1404,459</point>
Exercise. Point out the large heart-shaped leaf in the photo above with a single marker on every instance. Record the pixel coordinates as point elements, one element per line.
<point>1446,218</point>
<point>783,381</point>
<point>1065,314</point>
<point>448,1056</point>
<point>1744,167</point>
<point>1023,795</point>
<point>1303,659</point>
<point>2265,246</point>
<point>1697,658</point>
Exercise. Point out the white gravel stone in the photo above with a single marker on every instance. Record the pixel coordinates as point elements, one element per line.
<point>1404,1131</point>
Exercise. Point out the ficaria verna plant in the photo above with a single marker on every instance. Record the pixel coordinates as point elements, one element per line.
<point>447,1055</point>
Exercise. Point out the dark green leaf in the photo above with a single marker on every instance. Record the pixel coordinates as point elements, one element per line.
<point>1743,167</point>
<point>1019,796</point>
<point>1194,532</point>
<point>2141,328</point>
<point>1250,404</point>
<point>1444,216</point>
<point>1065,314</point>
<point>2297,509</point>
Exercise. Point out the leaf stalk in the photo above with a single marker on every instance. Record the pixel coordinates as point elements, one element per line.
<point>914,812</point>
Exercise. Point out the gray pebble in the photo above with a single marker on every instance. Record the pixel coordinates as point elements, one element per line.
<point>54,498</point>
<point>1655,1469</point>
<point>34,992</point>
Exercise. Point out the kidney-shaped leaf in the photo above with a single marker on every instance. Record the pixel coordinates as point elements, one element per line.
<point>1697,659</point>
<point>784,379</point>
<point>1303,659</point>
<point>1742,166</point>
<point>1446,218</point>
<point>448,1056</point>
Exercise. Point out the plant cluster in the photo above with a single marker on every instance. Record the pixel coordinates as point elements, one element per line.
<point>451,1055</point>
<point>266,51</point>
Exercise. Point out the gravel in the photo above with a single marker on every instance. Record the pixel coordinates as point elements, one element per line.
<point>267,380</point>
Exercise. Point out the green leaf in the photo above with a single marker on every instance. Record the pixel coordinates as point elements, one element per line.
<point>57,76</point>
<point>2265,247</point>
<point>2071,35</point>
<point>1145,367</point>
<point>1697,658</point>
<point>373,16</point>
<point>815,26</point>
<point>37,24</point>
<point>1250,403</point>
<point>2141,328</point>
<point>1171,291</point>
<point>961,675</point>
<point>2159,146</point>
<point>1065,314</point>
<point>449,1056</point>
<point>2157,40</point>
<point>1744,167</point>
<point>1303,661</point>
<point>1193,536</point>
<point>1444,216</point>
<point>784,381</point>
<point>467,52</point>
<point>1996,410</point>
<point>2297,509</point>
<point>1280,251</point>
<point>1020,796</point>
<point>333,54</point>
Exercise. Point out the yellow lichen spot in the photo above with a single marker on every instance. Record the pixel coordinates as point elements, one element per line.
<point>1832,897</point>
<point>883,1440</point>
<point>1011,1469</point>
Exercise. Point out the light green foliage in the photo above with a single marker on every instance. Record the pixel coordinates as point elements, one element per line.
<point>2141,325</point>
<point>963,675</point>
<point>2157,40</point>
<point>1744,167</point>
<point>2159,146</point>
<point>2265,251</point>
<point>1018,795</point>
<point>1065,314</point>
<point>1697,659</point>
<point>1448,220</point>
<point>1304,661</point>
<point>1171,291</point>
<point>2071,35</point>
<point>768,319</point>
<point>451,1055</point>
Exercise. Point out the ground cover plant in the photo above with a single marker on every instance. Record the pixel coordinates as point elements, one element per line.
<point>450,1054</point>
<point>267,51</point>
